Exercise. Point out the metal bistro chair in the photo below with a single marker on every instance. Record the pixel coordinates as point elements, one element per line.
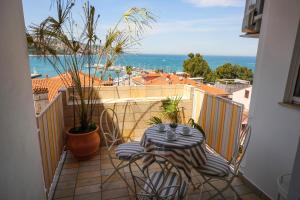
<point>124,151</point>
<point>217,168</point>
<point>156,178</point>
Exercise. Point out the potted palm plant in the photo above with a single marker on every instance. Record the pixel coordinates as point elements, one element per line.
<point>170,112</point>
<point>73,48</point>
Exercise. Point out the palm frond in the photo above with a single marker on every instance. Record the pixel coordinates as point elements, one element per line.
<point>170,109</point>
<point>155,120</point>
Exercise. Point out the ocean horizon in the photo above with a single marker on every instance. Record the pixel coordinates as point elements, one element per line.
<point>169,63</point>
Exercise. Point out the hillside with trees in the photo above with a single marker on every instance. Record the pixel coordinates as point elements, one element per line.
<point>197,66</point>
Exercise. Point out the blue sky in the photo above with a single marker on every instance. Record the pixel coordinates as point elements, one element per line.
<point>210,27</point>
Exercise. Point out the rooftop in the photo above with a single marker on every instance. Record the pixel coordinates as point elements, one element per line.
<point>166,79</point>
<point>54,84</point>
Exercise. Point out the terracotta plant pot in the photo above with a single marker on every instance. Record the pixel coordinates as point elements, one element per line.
<point>85,145</point>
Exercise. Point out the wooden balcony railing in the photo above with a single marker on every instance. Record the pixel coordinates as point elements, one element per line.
<point>50,124</point>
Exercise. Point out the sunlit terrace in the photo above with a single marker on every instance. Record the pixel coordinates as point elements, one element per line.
<point>68,178</point>
<point>35,163</point>
<point>83,180</point>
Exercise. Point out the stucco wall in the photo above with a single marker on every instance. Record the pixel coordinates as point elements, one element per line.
<point>20,168</point>
<point>134,114</point>
<point>275,129</point>
<point>239,96</point>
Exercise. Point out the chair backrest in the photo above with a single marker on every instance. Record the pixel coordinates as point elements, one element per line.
<point>240,152</point>
<point>221,120</point>
<point>155,177</point>
<point>109,126</point>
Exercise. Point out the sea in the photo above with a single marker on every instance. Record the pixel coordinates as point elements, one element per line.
<point>169,63</point>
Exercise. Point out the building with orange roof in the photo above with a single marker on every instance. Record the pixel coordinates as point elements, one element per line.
<point>45,89</point>
<point>53,84</point>
<point>165,78</point>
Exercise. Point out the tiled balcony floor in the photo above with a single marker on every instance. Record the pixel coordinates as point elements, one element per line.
<point>81,180</point>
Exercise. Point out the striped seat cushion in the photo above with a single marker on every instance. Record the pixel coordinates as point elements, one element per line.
<point>215,166</point>
<point>127,150</point>
<point>168,190</point>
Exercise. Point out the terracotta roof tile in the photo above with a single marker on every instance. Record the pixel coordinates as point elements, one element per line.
<point>164,78</point>
<point>53,84</point>
<point>39,90</point>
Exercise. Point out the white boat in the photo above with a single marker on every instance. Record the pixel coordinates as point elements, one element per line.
<point>35,75</point>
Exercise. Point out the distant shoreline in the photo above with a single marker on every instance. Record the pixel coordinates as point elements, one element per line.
<point>157,54</point>
<point>169,63</point>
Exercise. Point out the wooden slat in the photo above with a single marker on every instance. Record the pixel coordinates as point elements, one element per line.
<point>57,127</point>
<point>47,142</point>
<point>43,152</point>
<point>51,145</point>
<point>50,123</point>
<point>54,132</point>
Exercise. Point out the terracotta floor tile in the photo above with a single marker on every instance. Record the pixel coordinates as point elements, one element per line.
<point>123,198</point>
<point>106,165</point>
<point>107,172</point>
<point>64,193</point>
<point>69,171</point>
<point>242,189</point>
<point>69,160</point>
<point>71,165</point>
<point>202,196</point>
<point>114,185</point>
<point>65,185</point>
<point>89,163</point>
<point>88,181</point>
<point>116,193</point>
<point>89,168</point>
<point>228,194</point>
<point>65,198</point>
<point>115,177</point>
<point>96,157</point>
<point>67,177</point>
<point>237,181</point>
<point>87,189</point>
<point>90,196</point>
<point>82,180</point>
<point>250,197</point>
<point>88,174</point>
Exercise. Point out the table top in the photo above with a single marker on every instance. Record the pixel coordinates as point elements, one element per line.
<point>153,135</point>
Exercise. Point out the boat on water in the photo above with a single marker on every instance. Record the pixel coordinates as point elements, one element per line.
<point>100,67</point>
<point>35,75</point>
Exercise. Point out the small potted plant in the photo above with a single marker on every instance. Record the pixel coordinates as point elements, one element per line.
<point>173,126</point>
<point>170,112</point>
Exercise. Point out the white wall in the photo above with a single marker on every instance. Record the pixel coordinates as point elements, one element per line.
<point>275,129</point>
<point>20,167</point>
<point>239,96</point>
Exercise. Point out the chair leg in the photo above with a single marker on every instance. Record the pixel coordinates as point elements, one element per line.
<point>117,168</point>
<point>219,192</point>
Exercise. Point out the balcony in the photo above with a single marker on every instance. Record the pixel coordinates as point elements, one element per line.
<point>82,180</point>
<point>273,150</point>
<point>67,178</point>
